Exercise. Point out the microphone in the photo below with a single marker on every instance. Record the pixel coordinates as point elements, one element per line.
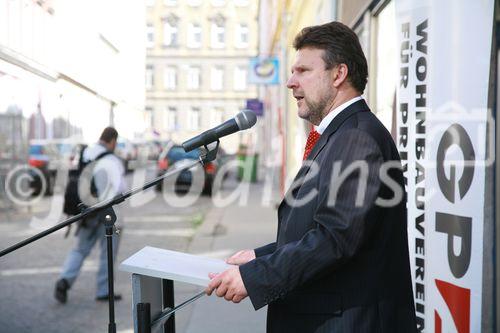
<point>242,121</point>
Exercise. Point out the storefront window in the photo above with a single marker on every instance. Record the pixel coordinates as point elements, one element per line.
<point>386,66</point>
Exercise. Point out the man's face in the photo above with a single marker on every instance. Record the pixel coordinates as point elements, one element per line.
<point>312,85</point>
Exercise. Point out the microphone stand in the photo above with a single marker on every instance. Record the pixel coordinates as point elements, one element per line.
<point>105,214</point>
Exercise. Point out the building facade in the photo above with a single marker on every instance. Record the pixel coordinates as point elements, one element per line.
<point>197,65</point>
<point>65,77</point>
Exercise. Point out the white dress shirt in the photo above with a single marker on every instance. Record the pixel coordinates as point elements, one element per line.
<point>334,113</point>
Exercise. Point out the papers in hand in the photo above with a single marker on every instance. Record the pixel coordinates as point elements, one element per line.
<point>173,265</point>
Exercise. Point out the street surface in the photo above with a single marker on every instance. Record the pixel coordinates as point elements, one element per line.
<point>28,275</point>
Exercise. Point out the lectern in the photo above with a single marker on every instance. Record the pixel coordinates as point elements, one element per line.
<point>154,272</point>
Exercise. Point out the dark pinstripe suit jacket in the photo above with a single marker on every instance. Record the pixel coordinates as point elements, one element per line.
<point>337,266</point>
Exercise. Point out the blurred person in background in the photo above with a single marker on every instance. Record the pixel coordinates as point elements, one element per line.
<point>108,176</point>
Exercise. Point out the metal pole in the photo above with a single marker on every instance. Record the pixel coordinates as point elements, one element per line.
<point>143,318</point>
<point>168,302</point>
<point>109,220</point>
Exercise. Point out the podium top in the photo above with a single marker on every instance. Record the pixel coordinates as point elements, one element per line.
<point>173,265</point>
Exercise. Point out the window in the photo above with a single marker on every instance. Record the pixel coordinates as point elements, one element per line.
<point>386,50</point>
<point>241,35</point>
<point>194,35</point>
<point>216,78</point>
<point>170,32</point>
<point>150,77</point>
<point>170,78</point>
<point>149,116</point>
<point>150,35</point>
<point>240,78</point>
<point>193,77</point>
<point>218,33</point>
<point>241,3</point>
<point>170,2</point>
<point>194,118</point>
<point>218,3</point>
<point>171,118</point>
<point>216,116</point>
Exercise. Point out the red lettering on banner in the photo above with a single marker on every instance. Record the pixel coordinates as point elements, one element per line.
<point>437,322</point>
<point>458,301</point>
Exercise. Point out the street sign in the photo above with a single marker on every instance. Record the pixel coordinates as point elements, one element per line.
<point>264,70</point>
<point>256,106</point>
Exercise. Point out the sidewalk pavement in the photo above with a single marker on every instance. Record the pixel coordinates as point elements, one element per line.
<point>223,232</point>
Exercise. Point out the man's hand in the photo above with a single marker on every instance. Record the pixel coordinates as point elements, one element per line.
<point>241,257</point>
<point>227,284</point>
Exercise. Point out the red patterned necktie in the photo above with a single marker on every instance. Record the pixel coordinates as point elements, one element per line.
<point>311,141</point>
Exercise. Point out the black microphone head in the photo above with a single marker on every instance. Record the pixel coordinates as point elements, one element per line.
<point>242,121</point>
<point>245,119</point>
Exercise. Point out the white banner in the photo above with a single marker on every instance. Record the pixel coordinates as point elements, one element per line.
<point>442,119</point>
<point>413,29</point>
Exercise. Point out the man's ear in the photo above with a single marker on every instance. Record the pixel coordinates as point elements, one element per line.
<point>112,144</point>
<point>340,73</point>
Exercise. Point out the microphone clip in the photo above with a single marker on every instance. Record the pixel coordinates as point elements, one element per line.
<point>209,152</point>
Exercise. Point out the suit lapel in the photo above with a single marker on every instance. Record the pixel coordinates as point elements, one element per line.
<point>332,128</point>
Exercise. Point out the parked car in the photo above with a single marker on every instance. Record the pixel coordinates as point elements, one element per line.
<point>69,152</point>
<point>176,154</point>
<point>44,156</point>
<point>49,156</point>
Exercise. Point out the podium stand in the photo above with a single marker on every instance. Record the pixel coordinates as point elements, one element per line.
<point>154,271</point>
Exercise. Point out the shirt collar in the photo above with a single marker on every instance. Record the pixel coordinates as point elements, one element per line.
<point>332,114</point>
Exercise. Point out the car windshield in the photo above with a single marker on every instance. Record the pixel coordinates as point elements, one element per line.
<point>36,150</point>
<point>178,153</point>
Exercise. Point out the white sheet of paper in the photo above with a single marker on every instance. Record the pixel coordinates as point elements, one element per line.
<point>173,265</point>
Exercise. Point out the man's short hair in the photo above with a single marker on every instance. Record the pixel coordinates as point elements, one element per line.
<point>109,134</point>
<point>341,46</point>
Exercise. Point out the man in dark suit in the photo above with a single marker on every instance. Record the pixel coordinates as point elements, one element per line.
<point>340,262</point>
